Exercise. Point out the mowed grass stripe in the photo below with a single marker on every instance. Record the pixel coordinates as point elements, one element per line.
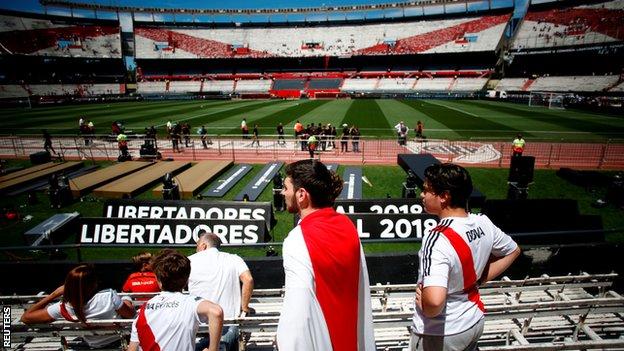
<point>284,116</point>
<point>74,112</point>
<point>367,115</point>
<point>559,120</point>
<point>332,112</point>
<point>146,117</point>
<point>229,113</point>
<point>396,111</point>
<point>465,125</point>
<point>104,114</point>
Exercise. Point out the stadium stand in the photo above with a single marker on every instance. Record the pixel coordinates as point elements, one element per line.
<point>550,312</point>
<point>573,83</point>
<point>12,91</point>
<point>196,177</point>
<point>223,86</point>
<point>468,34</point>
<point>512,84</point>
<point>185,86</point>
<point>572,26</point>
<point>253,86</point>
<point>433,84</point>
<point>618,88</point>
<point>359,84</point>
<point>151,87</point>
<point>21,35</point>
<point>132,184</point>
<point>74,89</point>
<point>396,84</point>
<point>469,84</point>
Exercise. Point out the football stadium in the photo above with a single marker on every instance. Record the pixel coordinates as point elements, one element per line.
<point>290,151</point>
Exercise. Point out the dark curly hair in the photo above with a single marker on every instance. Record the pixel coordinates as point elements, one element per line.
<point>323,185</point>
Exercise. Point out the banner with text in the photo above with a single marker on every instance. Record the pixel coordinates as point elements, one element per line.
<point>132,231</point>
<point>380,206</point>
<point>393,226</point>
<point>184,209</point>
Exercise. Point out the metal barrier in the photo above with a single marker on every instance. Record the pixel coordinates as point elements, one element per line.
<point>545,313</point>
<point>372,150</point>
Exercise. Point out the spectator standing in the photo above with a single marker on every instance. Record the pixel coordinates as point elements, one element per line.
<point>47,142</point>
<point>312,144</point>
<point>355,138</point>
<point>462,252</point>
<point>327,302</point>
<point>169,128</point>
<point>186,131</point>
<point>81,300</point>
<point>217,276</point>
<point>244,128</point>
<point>256,137</point>
<point>344,141</point>
<point>144,280</point>
<point>298,128</point>
<point>175,137</point>
<point>402,131</point>
<point>419,129</point>
<point>280,135</point>
<point>518,145</point>
<point>169,320</point>
<point>203,133</point>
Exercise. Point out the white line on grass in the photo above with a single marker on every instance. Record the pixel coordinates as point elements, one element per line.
<point>453,108</point>
<point>206,114</point>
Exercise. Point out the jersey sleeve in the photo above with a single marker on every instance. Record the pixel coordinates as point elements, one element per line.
<point>502,244</point>
<point>134,336</point>
<point>434,262</point>
<point>115,300</point>
<point>240,265</point>
<point>54,310</point>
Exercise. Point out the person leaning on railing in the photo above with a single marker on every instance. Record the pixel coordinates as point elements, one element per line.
<point>80,301</point>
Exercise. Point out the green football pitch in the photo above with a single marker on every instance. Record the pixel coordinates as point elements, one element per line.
<point>443,119</point>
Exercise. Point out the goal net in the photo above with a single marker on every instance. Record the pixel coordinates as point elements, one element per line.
<point>546,99</point>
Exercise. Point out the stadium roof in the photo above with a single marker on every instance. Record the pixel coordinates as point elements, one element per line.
<point>253,11</point>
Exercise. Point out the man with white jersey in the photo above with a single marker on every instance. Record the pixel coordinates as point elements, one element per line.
<point>463,251</point>
<point>216,276</point>
<point>327,302</point>
<point>169,321</point>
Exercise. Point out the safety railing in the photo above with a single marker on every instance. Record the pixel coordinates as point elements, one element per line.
<point>366,150</point>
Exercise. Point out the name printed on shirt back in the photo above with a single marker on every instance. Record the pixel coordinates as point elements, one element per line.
<point>474,234</point>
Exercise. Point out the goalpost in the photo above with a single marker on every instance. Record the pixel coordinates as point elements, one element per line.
<point>546,99</point>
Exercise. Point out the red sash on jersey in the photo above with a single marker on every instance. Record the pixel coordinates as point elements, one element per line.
<point>147,340</point>
<point>334,247</point>
<point>65,313</point>
<point>467,263</point>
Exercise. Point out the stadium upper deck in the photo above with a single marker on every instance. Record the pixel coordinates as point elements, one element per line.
<point>596,23</point>
<point>58,36</point>
<point>466,34</point>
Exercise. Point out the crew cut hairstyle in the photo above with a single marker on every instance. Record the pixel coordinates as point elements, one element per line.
<point>323,185</point>
<point>211,239</point>
<point>80,286</point>
<point>451,178</point>
<point>172,269</point>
